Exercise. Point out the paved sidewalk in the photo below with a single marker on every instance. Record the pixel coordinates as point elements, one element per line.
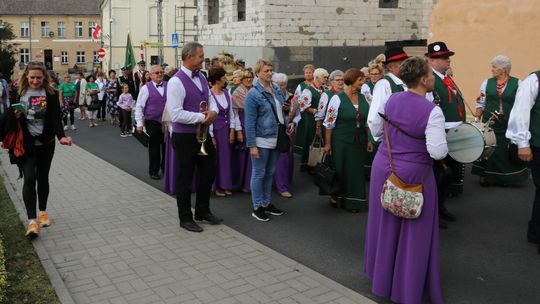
<point>117,240</point>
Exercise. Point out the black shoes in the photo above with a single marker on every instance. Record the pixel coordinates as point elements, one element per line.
<point>209,217</point>
<point>191,226</point>
<point>272,210</point>
<point>446,215</point>
<point>260,215</point>
<point>155,176</point>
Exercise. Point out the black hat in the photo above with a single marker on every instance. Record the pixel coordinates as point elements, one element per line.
<point>142,62</point>
<point>124,69</point>
<point>438,50</point>
<point>394,54</point>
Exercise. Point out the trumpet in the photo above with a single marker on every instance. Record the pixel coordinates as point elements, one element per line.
<point>202,130</point>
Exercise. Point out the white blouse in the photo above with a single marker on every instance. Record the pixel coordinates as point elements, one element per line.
<point>481,101</point>
<point>333,112</point>
<point>366,91</point>
<point>520,116</point>
<point>234,120</point>
<point>323,102</point>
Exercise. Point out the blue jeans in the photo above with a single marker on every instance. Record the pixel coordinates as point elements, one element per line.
<point>262,174</point>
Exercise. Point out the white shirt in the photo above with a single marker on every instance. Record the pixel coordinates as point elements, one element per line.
<point>141,102</point>
<point>381,93</point>
<point>333,112</point>
<point>234,120</point>
<point>366,91</point>
<point>520,116</point>
<point>101,87</point>
<point>323,103</point>
<point>176,93</point>
<point>306,99</point>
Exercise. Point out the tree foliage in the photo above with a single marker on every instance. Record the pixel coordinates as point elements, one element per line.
<point>7,50</point>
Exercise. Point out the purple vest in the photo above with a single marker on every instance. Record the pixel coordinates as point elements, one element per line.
<point>191,102</point>
<point>223,119</point>
<point>403,147</point>
<point>155,103</point>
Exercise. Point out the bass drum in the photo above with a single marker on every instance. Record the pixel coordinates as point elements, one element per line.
<point>471,141</point>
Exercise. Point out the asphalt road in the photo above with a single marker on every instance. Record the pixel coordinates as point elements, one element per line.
<point>485,257</point>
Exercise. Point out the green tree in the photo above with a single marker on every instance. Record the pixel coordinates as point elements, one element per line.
<point>7,50</point>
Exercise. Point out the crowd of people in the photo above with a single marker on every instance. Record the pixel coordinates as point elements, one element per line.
<point>208,136</point>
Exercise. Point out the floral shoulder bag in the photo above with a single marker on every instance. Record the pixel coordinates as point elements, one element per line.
<point>397,197</point>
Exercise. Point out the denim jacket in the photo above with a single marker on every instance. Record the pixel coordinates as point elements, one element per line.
<point>260,119</point>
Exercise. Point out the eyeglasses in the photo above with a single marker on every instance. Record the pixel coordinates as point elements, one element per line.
<point>338,80</point>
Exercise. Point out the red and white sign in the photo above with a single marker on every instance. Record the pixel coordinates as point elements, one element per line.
<point>101,53</point>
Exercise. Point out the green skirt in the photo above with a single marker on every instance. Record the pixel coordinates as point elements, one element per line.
<point>349,160</point>
<point>498,169</point>
<point>300,134</point>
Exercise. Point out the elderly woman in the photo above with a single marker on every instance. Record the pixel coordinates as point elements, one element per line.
<point>236,81</point>
<point>263,116</point>
<point>241,162</point>
<point>309,104</point>
<point>337,84</point>
<point>285,163</point>
<point>346,139</point>
<point>401,255</point>
<point>497,94</point>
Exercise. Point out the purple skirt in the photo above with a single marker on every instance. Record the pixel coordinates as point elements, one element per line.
<point>402,256</point>
<point>171,168</point>
<point>223,151</point>
<point>284,171</point>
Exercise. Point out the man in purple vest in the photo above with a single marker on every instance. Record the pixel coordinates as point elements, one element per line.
<point>148,113</point>
<point>185,92</point>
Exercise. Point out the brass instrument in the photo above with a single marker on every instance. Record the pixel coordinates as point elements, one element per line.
<point>202,130</point>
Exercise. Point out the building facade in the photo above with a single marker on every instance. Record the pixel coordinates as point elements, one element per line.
<point>57,33</point>
<point>292,33</point>
<point>141,19</point>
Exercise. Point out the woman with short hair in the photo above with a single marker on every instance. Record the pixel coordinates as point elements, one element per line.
<point>346,140</point>
<point>66,93</point>
<point>401,256</point>
<point>497,94</point>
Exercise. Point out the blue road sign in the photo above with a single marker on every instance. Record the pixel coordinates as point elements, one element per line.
<point>174,41</point>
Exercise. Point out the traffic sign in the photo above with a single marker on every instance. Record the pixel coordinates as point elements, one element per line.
<point>101,53</point>
<point>174,41</point>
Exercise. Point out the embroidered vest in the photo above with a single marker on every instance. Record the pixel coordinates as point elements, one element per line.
<point>315,97</point>
<point>349,118</point>
<point>502,104</point>
<point>191,102</point>
<point>451,107</point>
<point>155,103</point>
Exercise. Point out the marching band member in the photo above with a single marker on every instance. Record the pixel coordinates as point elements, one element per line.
<point>497,95</point>
<point>300,128</point>
<point>308,104</point>
<point>346,139</point>
<point>524,131</point>
<point>148,113</point>
<point>241,160</point>
<point>449,173</point>
<point>188,104</point>
<point>391,83</point>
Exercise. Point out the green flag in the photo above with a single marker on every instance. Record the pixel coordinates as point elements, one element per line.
<point>130,58</point>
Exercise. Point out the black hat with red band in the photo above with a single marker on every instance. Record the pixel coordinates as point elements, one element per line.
<point>394,54</point>
<point>438,50</point>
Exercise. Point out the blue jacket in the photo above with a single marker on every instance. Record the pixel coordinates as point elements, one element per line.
<point>260,119</point>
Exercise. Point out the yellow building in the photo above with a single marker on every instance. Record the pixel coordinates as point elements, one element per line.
<point>58,33</point>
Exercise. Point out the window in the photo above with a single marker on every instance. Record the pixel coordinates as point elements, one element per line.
<point>25,29</point>
<point>24,55</point>
<point>91,28</point>
<point>388,3</point>
<point>81,57</point>
<point>78,29</point>
<point>241,10</point>
<point>96,57</point>
<point>64,57</point>
<point>45,29</point>
<point>61,29</point>
<point>213,11</point>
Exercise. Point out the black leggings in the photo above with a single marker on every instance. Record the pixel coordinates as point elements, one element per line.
<point>71,117</point>
<point>125,121</point>
<point>36,168</point>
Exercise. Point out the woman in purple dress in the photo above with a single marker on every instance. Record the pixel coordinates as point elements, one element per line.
<point>402,255</point>
<point>241,161</point>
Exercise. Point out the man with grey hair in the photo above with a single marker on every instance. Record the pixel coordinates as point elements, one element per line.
<point>192,112</point>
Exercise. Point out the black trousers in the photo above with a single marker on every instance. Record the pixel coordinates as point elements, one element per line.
<point>125,121</point>
<point>101,110</point>
<point>186,149</point>
<point>36,168</point>
<point>71,115</point>
<point>156,146</point>
<point>534,223</point>
<point>446,175</point>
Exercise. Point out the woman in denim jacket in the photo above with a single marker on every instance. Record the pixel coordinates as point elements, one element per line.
<point>261,130</point>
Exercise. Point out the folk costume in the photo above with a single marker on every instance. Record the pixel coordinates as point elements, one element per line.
<point>309,99</point>
<point>241,160</point>
<point>300,128</point>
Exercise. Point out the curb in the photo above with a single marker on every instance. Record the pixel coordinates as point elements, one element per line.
<point>56,280</point>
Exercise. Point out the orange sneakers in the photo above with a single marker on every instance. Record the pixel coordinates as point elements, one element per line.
<point>43,219</point>
<point>33,229</point>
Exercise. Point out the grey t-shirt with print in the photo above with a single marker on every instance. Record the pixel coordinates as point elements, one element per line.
<point>35,108</point>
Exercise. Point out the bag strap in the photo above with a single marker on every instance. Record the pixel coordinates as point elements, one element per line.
<point>271,105</point>
<point>399,128</point>
<point>389,149</point>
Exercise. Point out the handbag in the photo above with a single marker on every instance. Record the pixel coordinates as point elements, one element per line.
<point>316,151</point>
<point>397,197</point>
<point>326,177</point>
<point>283,144</point>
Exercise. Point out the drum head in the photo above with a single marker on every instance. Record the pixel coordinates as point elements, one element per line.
<point>465,143</point>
